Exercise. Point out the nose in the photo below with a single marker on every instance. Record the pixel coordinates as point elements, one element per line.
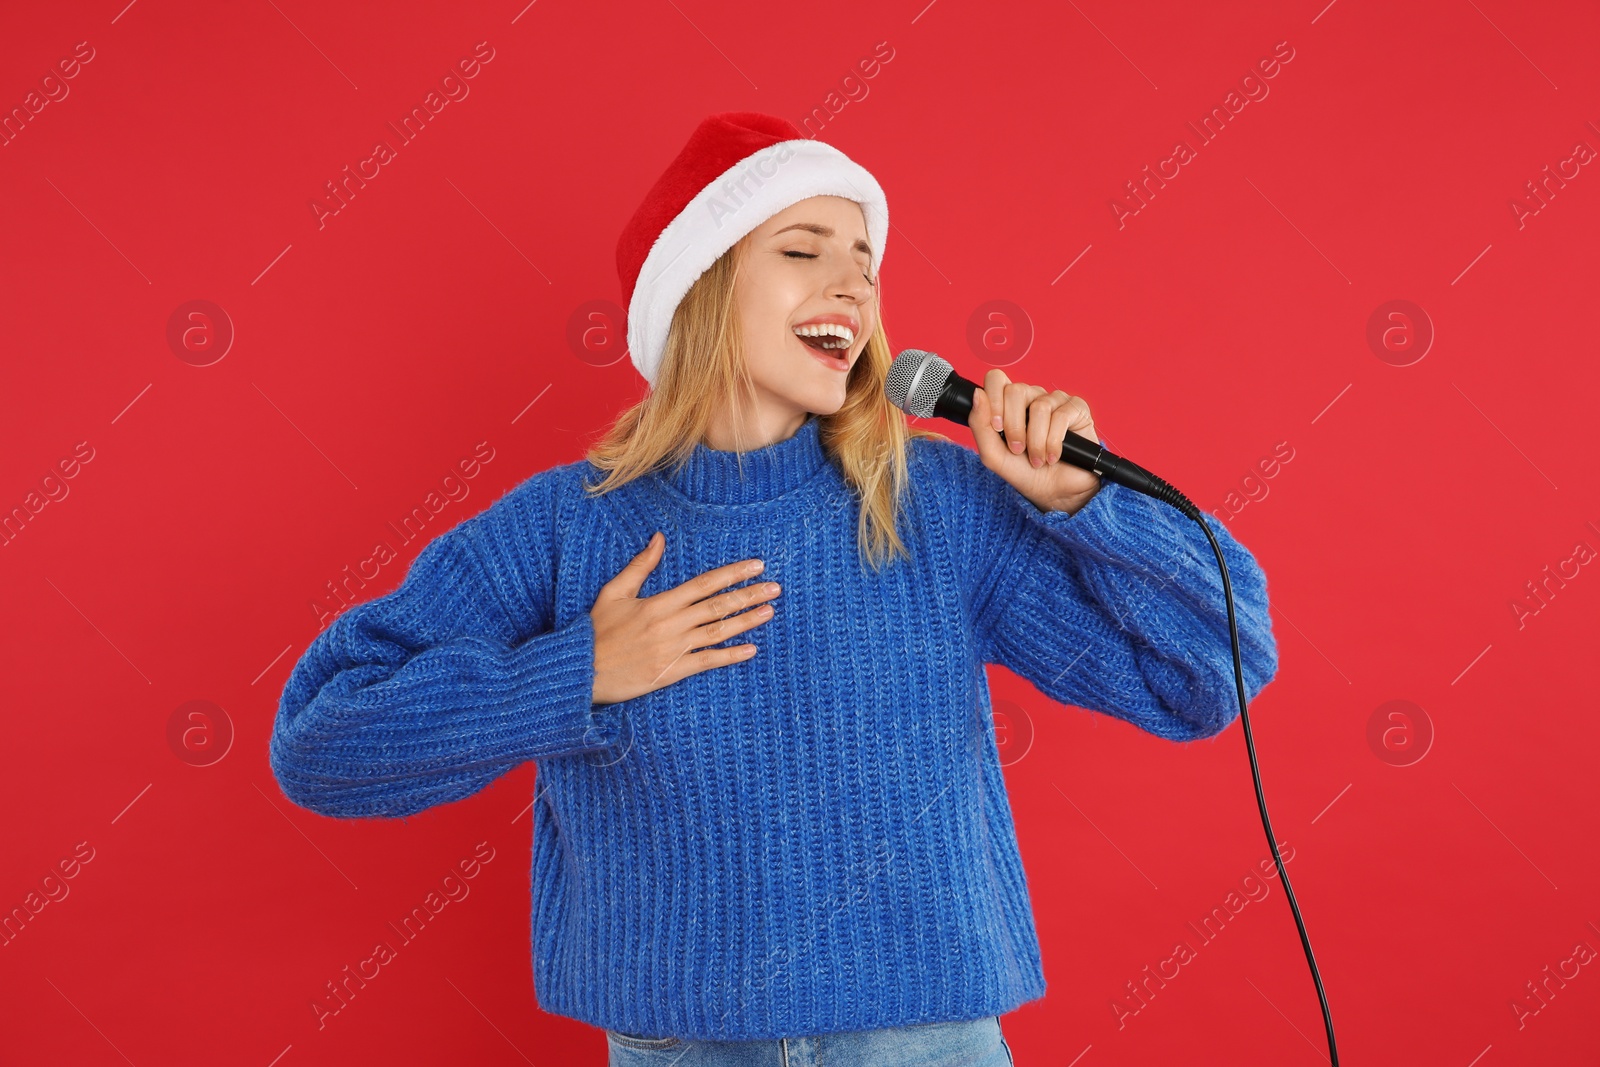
<point>853,283</point>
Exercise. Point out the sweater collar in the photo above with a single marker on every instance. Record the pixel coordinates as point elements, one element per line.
<point>710,476</point>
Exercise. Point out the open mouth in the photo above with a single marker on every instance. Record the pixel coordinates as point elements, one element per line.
<point>835,358</point>
<point>826,336</point>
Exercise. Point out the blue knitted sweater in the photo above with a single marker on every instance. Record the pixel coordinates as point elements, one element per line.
<point>816,839</point>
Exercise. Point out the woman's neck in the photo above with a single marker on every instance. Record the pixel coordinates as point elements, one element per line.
<point>757,430</point>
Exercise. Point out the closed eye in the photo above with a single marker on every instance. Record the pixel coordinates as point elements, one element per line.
<point>811,255</point>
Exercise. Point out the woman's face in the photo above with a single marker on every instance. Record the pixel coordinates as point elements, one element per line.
<point>808,264</point>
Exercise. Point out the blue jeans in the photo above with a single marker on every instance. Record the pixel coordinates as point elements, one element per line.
<point>974,1043</point>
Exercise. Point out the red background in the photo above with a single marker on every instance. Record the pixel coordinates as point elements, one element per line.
<point>435,311</point>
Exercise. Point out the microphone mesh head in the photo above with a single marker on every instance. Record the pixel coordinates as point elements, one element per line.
<point>915,380</point>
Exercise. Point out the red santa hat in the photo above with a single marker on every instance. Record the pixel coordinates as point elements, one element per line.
<point>738,169</point>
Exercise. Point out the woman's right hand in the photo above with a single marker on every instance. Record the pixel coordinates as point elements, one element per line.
<point>641,645</point>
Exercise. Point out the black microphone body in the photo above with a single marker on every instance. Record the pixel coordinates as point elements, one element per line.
<point>922,384</point>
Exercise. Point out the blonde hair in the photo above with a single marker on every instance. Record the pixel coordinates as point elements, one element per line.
<point>704,371</point>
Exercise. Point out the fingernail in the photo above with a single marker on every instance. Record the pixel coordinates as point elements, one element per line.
<point>757,566</point>
<point>1037,462</point>
<point>1016,446</point>
<point>998,424</point>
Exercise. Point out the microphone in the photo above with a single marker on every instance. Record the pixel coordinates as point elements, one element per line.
<point>926,386</point>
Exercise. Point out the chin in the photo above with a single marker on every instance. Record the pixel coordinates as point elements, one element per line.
<point>823,401</point>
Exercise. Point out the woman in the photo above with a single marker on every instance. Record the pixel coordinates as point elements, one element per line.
<point>771,825</point>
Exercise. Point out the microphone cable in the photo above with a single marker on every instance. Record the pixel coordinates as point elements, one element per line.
<point>924,385</point>
<point>1168,494</point>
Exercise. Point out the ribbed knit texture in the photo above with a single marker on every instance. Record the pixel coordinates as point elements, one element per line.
<point>817,839</point>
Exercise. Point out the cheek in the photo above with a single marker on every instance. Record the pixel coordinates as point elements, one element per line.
<point>764,316</point>
<point>763,312</point>
<point>760,329</point>
<point>768,356</point>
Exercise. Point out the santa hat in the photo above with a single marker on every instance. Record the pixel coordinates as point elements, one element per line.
<point>738,169</point>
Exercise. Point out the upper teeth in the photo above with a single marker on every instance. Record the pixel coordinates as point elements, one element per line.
<point>828,329</point>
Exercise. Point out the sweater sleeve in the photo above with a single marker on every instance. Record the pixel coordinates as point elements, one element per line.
<point>424,696</point>
<point>1117,607</point>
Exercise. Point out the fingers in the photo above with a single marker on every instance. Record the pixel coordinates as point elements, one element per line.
<point>1034,420</point>
<point>702,586</point>
<point>733,600</point>
<point>631,578</point>
<point>1080,422</point>
<point>1008,407</point>
<point>1041,424</point>
<point>716,657</point>
<point>1018,397</point>
<point>721,629</point>
<point>686,662</point>
<point>1060,423</point>
<point>725,619</point>
<point>991,449</point>
<point>994,383</point>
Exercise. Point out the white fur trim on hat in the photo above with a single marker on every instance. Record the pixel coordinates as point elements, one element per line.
<point>735,203</point>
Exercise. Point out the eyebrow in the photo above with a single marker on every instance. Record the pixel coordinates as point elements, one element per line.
<point>861,244</point>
